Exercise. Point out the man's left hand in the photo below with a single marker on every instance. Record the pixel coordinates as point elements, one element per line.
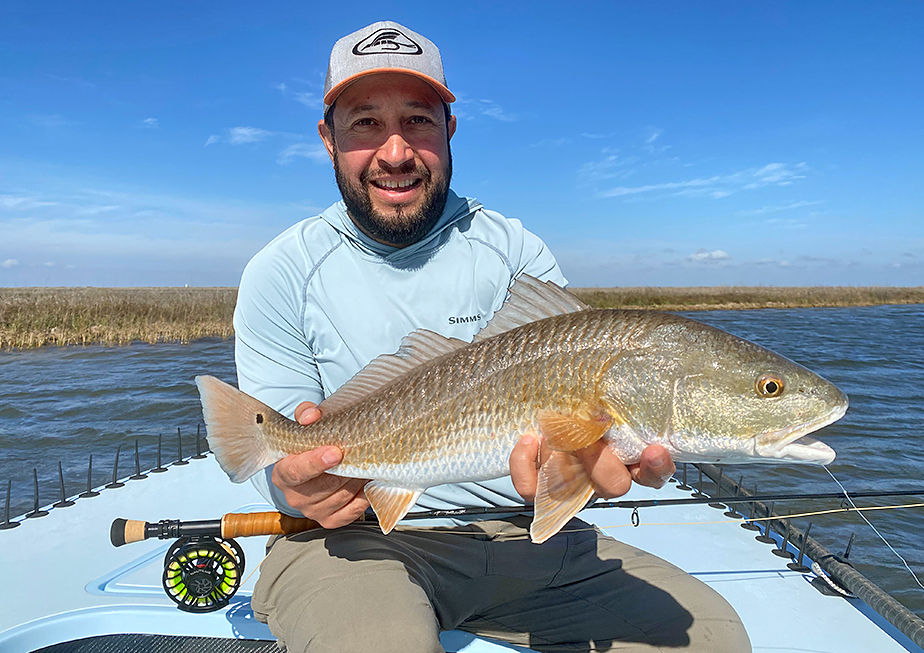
<point>611,478</point>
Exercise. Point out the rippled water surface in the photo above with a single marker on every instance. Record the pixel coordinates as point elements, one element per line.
<point>64,404</point>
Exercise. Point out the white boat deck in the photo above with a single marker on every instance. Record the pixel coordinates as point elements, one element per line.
<point>65,581</point>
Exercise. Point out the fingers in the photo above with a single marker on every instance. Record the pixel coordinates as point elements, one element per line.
<point>523,470</point>
<point>655,467</point>
<point>343,505</point>
<point>330,500</point>
<point>307,413</point>
<point>610,476</point>
<point>299,468</point>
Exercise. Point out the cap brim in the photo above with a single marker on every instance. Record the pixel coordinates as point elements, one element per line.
<point>335,92</point>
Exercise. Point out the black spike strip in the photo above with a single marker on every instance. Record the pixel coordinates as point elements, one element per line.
<point>749,523</point>
<point>797,565</point>
<point>7,524</point>
<point>137,476</point>
<point>35,511</point>
<point>63,503</point>
<point>199,455</point>
<point>846,555</point>
<point>699,484</point>
<point>718,491</point>
<point>732,511</point>
<point>160,468</point>
<point>765,538</point>
<point>783,551</point>
<point>683,479</point>
<point>115,471</point>
<point>179,449</point>
<point>90,492</point>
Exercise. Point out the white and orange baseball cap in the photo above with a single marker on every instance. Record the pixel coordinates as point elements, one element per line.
<point>383,47</point>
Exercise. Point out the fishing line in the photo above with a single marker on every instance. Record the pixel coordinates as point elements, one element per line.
<point>875,530</point>
<point>831,511</point>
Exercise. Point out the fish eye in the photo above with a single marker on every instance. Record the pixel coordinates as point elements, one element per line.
<point>769,385</point>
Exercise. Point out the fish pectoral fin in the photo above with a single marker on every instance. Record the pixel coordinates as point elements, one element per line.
<point>390,502</point>
<point>564,488</point>
<point>565,432</point>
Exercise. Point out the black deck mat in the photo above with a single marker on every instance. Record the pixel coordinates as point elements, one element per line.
<point>160,644</point>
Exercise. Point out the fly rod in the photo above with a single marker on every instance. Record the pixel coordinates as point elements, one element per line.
<point>125,531</point>
<point>204,566</point>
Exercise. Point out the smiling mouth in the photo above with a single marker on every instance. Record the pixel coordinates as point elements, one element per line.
<point>396,185</point>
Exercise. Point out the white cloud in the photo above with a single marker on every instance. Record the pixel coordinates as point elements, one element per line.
<point>51,121</point>
<point>9,263</point>
<point>150,123</point>
<point>612,166</point>
<point>468,108</point>
<point>20,203</point>
<point>310,100</point>
<point>315,153</point>
<point>241,135</point>
<point>781,207</point>
<point>703,255</point>
<point>654,133</point>
<point>247,135</point>
<point>306,98</point>
<point>778,173</point>
<point>718,186</point>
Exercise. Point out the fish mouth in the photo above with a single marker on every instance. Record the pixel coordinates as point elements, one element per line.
<point>794,445</point>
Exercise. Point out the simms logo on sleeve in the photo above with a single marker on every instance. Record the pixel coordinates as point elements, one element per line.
<point>387,41</point>
<point>464,319</point>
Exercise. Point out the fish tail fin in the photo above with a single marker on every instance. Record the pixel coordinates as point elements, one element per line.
<point>234,424</point>
<point>562,491</point>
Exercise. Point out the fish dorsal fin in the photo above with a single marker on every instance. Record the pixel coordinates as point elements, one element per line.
<point>416,348</point>
<point>530,300</point>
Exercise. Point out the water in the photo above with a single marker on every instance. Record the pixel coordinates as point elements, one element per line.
<point>64,404</point>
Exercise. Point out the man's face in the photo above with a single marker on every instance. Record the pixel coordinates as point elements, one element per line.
<point>390,150</point>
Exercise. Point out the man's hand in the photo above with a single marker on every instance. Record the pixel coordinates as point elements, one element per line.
<point>332,501</point>
<point>611,478</point>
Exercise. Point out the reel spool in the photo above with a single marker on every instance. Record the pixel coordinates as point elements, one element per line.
<point>202,572</point>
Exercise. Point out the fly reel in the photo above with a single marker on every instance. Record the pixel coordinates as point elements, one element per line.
<point>202,572</point>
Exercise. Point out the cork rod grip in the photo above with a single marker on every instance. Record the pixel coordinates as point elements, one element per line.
<point>263,523</point>
<point>126,531</point>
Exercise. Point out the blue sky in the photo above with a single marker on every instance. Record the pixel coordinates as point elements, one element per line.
<point>667,143</point>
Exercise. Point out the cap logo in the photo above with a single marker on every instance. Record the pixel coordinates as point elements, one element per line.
<point>387,41</point>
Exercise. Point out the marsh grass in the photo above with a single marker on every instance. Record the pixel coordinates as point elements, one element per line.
<point>34,317</point>
<point>743,297</point>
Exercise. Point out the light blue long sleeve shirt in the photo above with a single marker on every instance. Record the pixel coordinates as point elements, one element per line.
<point>323,299</point>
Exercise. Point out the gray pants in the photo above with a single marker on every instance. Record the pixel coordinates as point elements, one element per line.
<point>354,589</point>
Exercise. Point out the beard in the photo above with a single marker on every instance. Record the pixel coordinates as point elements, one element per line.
<point>404,227</point>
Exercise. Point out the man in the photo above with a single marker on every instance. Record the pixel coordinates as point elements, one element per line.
<point>402,252</point>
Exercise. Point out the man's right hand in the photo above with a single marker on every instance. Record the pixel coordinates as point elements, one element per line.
<point>332,501</point>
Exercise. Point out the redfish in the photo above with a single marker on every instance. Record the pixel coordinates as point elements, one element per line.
<point>441,410</point>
